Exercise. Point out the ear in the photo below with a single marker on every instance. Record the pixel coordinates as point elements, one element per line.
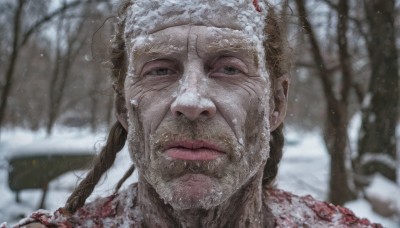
<point>121,113</point>
<point>278,102</point>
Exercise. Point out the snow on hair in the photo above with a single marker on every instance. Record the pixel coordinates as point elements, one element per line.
<point>273,46</point>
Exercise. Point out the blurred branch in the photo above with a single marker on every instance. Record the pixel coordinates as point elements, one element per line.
<point>316,51</point>
<point>331,4</point>
<point>359,92</point>
<point>13,59</point>
<point>312,65</point>
<point>360,29</point>
<point>47,18</point>
<point>344,56</point>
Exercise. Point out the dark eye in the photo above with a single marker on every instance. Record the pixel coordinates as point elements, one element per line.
<point>160,72</point>
<point>230,70</point>
<point>227,67</point>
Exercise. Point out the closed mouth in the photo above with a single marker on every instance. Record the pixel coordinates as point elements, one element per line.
<point>193,150</point>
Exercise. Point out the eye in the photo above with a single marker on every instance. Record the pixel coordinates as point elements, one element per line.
<point>160,68</point>
<point>227,67</point>
<point>229,70</point>
<point>160,72</point>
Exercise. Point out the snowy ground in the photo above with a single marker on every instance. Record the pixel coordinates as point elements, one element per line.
<point>303,170</point>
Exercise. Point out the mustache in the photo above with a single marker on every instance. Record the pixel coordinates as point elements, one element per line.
<point>183,130</point>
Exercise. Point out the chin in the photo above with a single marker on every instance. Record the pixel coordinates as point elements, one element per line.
<point>195,191</point>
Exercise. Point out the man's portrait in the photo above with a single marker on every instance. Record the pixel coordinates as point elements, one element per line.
<point>200,96</point>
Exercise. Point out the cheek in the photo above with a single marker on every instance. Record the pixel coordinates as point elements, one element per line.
<point>152,102</point>
<point>242,103</point>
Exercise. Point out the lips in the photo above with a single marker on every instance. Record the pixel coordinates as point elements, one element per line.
<point>193,151</point>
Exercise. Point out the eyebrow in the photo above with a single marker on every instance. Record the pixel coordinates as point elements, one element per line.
<point>156,49</point>
<point>231,46</point>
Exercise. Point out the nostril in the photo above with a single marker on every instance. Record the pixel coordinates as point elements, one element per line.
<point>178,113</point>
<point>205,113</point>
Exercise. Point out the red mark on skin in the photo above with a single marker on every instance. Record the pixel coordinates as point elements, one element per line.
<point>108,208</point>
<point>323,210</point>
<point>350,218</point>
<point>257,6</point>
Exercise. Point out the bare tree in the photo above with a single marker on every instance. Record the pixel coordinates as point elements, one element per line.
<point>65,56</point>
<point>377,139</point>
<point>19,39</point>
<point>6,88</point>
<point>337,119</point>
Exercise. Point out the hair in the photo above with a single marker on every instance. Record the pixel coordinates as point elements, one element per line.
<point>276,65</point>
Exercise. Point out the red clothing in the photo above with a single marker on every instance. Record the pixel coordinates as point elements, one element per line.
<point>121,210</point>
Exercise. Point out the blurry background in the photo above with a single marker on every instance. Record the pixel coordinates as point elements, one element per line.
<point>56,102</point>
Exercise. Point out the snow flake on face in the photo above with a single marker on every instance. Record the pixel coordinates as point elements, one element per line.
<point>147,16</point>
<point>134,102</point>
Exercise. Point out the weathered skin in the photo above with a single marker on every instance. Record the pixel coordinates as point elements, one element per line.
<point>189,89</point>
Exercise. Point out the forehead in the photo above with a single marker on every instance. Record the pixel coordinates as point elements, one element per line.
<point>148,16</point>
<point>207,39</point>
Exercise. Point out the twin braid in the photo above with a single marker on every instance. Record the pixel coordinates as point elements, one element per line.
<point>117,135</point>
<point>115,143</point>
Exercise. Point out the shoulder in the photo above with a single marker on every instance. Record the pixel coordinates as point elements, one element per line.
<point>290,210</point>
<point>103,212</point>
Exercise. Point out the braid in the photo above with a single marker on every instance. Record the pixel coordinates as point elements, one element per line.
<point>115,143</point>
<point>277,67</point>
<point>117,136</point>
<point>276,147</point>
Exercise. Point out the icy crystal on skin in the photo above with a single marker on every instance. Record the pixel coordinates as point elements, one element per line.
<point>148,16</point>
<point>191,38</point>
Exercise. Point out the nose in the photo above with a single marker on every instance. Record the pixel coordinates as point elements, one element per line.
<point>193,106</point>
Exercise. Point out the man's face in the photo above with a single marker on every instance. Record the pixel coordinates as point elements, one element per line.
<point>197,109</point>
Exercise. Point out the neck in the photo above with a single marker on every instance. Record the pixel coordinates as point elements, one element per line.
<point>243,209</point>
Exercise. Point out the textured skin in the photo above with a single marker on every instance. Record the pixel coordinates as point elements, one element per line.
<point>121,210</point>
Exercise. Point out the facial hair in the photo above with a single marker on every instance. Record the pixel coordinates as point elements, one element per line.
<point>177,181</point>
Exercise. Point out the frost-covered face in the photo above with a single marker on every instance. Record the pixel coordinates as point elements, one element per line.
<point>197,106</point>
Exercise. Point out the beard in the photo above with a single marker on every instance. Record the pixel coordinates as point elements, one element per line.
<point>186,184</point>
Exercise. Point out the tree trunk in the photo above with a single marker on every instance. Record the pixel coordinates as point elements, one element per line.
<point>51,115</point>
<point>377,139</point>
<point>18,42</point>
<point>335,131</point>
<point>6,89</point>
<point>336,140</point>
<point>60,79</point>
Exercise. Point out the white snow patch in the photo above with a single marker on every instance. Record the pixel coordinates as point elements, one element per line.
<point>363,209</point>
<point>391,195</point>
<point>134,102</point>
<point>385,159</point>
<point>367,100</point>
<point>353,131</point>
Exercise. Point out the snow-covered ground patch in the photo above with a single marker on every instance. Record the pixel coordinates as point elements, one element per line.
<point>386,202</point>
<point>304,170</point>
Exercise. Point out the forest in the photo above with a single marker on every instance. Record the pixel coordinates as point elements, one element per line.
<point>55,69</point>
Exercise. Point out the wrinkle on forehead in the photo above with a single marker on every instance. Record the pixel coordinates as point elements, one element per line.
<point>215,40</point>
<point>156,48</point>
